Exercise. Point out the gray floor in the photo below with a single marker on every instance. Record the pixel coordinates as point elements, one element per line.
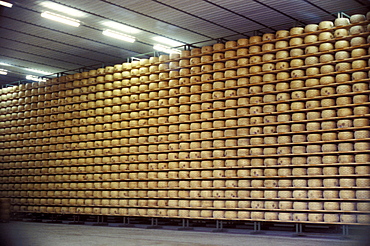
<point>44,234</point>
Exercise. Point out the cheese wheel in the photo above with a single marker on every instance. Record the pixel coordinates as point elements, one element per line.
<point>341,33</point>
<point>311,28</point>
<point>282,54</point>
<point>356,30</point>
<point>285,216</point>
<point>326,47</point>
<point>218,46</point>
<point>315,217</point>
<point>326,25</point>
<point>331,217</point>
<point>184,53</point>
<point>325,36</point>
<point>362,194</point>
<point>341,22</point>
<point>363,218</point>
<point>310,39</point>
<point>357,18</point>
<point>218,56</point>
<point>363,206</point>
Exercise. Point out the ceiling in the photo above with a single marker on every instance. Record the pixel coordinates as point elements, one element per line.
<point>30,41</point>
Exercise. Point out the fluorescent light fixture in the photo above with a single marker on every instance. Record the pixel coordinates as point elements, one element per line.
<point>38,71</point>
<point>6,4</point>
<point>63,9</point>
<point>166,49</point>
<point>4,64</point>
<point>167,41</point>
<point>35,78</point>
<point>121,27</point>
<point>60,18</point>
<point>120,36</point>
<point>3,72</point>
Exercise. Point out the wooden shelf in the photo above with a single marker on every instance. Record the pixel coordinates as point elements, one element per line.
<point>211,158</point>
<point>333,96</point>
<point>205,149</point>
<point>354,164</point>
<point>215,199</point>
<point>223,89</point>
<point>209,208</point>
<point>256,64</point>
<point>251,177</point>
<point>315,109</point>
<point>215,218</point>
<point>350,48</point>
<point>218,99</point>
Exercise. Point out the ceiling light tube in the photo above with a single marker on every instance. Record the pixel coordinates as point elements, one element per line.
<point>166,49</point>
<point>167,41</point>
<point>120,36</point>
<point>4,64</point>
<point>38,71</point>
<point>61,18</point>
<point>121,27</point>
<point>6,4</point>
<point>3,72</point>
<point>63,9</point>
<point>35,78</point>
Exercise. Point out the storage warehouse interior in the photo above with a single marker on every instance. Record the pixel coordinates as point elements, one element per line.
<point>185,113</point>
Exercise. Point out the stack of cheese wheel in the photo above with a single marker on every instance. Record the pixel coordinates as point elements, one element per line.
<point>152,131</point>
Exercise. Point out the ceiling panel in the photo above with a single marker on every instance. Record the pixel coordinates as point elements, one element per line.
<point>168,20</point>
<point>30,41</point>
<point>150,26</point>
<point>349,7</point>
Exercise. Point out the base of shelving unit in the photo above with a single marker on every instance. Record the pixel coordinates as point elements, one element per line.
<point>219,230</point>
<point>345,237</point>
<point>100,224</point>
<point>32,220</point>
<point>154,224</point>
<point>185,229</point>
<point>345,232</point>
<point>299,231</point>
<point>53,221</point>
<point>75,222</point>
<point>219,226</point>
<point>100,221</point>
<point>257,228</point>
<point>126,225</point>
<point>154,227</point>
<point>185,226</point>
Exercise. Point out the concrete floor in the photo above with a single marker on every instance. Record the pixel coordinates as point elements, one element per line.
<point>45,234</point>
